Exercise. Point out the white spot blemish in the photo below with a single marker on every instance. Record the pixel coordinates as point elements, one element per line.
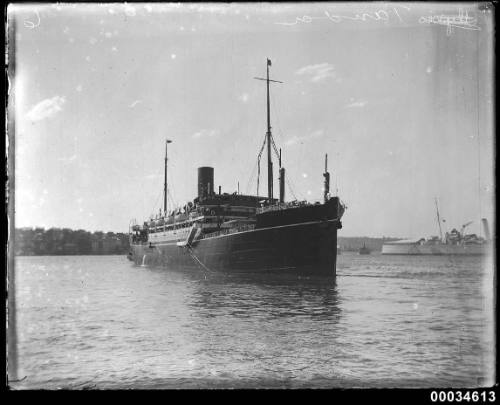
<point>79,88</point>
<point>304,175</point>
<point>173,56</point>
<point>244,97</point>
<point>356,104</point>
<point>429,69</point>
<point>93,41</point>
<point>87,58</point>
<point>129,10</point>
<point>415,305</point>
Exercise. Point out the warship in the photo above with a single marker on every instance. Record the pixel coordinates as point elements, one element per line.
<point>455,242</point>
<point>236,233</point>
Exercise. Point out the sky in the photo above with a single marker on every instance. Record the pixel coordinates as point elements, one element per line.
<point>399,95</point>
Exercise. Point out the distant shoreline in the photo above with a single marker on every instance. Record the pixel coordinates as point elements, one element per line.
<point>73,254</point>
<point>67,242</point>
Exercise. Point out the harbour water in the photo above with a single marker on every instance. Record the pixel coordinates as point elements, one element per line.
<point>101,322</point>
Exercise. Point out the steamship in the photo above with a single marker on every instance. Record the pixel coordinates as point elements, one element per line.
<point>232,232</point>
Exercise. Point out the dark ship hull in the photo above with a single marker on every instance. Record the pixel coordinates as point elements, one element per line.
<point>284,247</point>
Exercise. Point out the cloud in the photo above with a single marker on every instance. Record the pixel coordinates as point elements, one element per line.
<point>152,176</point>
<point>317,73</point>
<point>46,108</point>
<point>67,160</point>
<point>356,104</point>
<point>135,103</point>
<point>243,97</point>
<point>205,132</point>
<point>301,139</point>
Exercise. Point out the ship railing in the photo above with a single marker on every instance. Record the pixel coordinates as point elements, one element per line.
<point>282,206</point>
<point>227,231</point>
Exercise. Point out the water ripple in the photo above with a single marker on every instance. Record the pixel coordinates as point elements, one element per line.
<point>99,323</point>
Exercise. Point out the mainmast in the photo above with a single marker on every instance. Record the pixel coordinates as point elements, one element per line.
<point>165,182</point>
<point>269,136</point>
<point>269,157</point>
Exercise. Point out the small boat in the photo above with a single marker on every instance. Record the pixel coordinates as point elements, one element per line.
<point>364,250</point>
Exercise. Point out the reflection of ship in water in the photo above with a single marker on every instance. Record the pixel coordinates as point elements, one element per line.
<point>243,233</point>
<point>277,296</point>
<point>453,243</point>
<point>364,250</point>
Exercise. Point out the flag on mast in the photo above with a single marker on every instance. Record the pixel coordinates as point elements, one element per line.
<point>269,62</point>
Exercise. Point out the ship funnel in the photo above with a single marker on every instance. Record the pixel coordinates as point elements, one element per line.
<point>486,228</point>
<point>326,175</point>
<point>282,185</point>
<point>205,181</point>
